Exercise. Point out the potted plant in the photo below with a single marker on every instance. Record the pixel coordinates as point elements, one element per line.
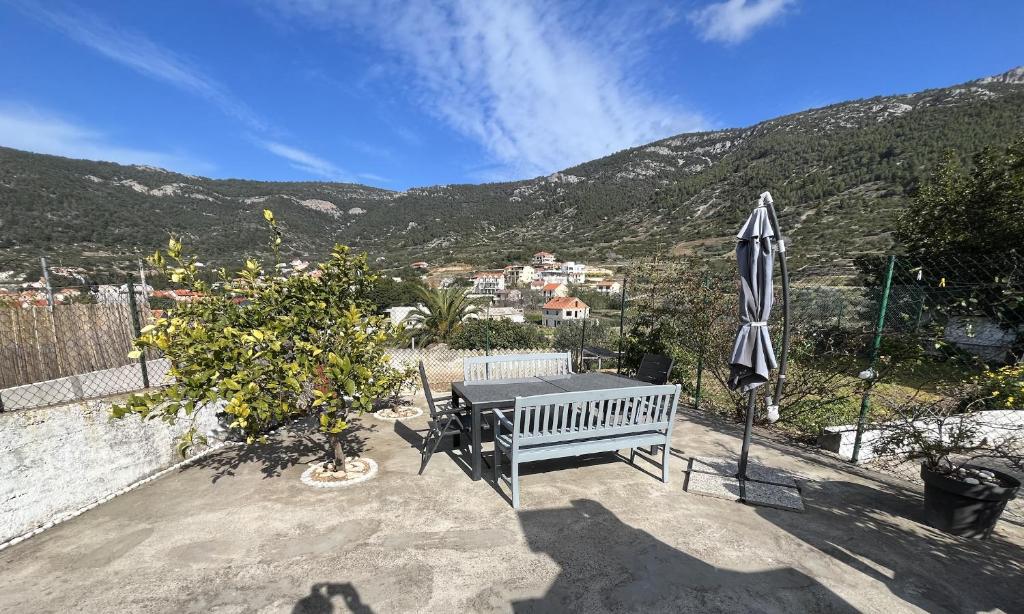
<point>951,434</point>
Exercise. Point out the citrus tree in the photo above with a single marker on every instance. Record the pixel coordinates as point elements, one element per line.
<point>270,347</point>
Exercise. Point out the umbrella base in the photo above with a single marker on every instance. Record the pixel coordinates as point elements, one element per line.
<point>763,486</point>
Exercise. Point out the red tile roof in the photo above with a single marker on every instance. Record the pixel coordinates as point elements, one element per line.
<point>551,287</point>
<point>565,302</point>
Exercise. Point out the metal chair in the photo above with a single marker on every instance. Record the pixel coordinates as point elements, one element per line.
<point>655,369</point>
<point>444,421</point>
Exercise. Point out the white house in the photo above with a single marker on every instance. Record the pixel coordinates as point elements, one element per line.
<point>563,309</point>
<point>575,272</point>
<point>551,291</point>
<point>488,282</point>
<point>400,316</point>
<point>543,259</point>
<point>519,275</point>
<point>511,314</point>
<point>608,286</point>
<point>553,276</point>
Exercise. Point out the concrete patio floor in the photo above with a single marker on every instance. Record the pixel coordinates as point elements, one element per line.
<point>238,532</point>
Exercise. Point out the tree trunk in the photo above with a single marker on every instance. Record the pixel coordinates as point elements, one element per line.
<point>338,451</point>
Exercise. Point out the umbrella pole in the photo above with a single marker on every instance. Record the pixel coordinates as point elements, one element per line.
<point>751,403</point>
<point>780,243</point>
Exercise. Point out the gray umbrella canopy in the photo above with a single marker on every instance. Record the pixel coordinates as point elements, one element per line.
<point>752,354</point>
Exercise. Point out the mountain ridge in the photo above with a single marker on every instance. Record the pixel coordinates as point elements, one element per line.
<point>848,166</point>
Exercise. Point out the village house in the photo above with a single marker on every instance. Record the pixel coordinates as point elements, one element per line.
<point>563,309</point>
<point>512,314</point>
<point>608,286</point>
<point>575,272</point>
<point>488,282</point>
<point>423,266</point>
<point>543,259</point>
<point>519,275</point>
<point>553,276</point>
<point>554,290</point>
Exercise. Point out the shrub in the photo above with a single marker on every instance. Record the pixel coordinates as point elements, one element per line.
<point>503,334</point>
<point>270,347</point>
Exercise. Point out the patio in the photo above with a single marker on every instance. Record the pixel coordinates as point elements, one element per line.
<point>238,532</point>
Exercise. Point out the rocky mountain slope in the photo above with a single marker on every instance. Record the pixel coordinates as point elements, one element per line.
<point>840,174</point>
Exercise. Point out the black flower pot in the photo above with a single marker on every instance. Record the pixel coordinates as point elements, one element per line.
<point>967,510</point>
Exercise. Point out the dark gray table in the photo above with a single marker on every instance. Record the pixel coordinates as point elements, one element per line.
<point>482,396</point>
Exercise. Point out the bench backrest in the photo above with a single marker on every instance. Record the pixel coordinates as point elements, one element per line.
<point>513,366</point>
<point>569,416</point>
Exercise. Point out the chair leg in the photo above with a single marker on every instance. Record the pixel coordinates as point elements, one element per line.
<point>433,448</point>
<point>497,464</point>
<point>515,484</point>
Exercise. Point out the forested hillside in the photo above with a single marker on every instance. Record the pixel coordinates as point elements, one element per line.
<point>840,174</point>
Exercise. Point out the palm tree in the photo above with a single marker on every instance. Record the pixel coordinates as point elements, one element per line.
<point>441,313</point>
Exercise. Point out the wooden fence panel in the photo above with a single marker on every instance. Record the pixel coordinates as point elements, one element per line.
<point>37,344</point>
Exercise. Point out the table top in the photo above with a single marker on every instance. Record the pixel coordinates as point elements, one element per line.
<point>496,394</point>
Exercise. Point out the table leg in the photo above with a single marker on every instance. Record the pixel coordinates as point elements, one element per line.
<point>477,445</point>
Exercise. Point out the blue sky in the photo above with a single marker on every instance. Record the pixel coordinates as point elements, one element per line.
<point>406,93</point>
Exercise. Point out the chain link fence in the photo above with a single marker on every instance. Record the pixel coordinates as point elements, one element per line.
<point>942,319</point>
<point>70,343</point>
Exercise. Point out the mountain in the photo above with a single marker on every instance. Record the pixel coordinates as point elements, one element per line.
<point>840,174</point>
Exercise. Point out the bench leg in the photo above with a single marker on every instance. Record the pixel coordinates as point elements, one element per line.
<point>515,484</point>
<point>664,463</point>
<point>632,456</point>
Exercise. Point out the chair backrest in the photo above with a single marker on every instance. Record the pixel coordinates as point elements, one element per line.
<point>655,368</point>
<point>426,391</point>
<point>512,366</point>
<point>595,413</point>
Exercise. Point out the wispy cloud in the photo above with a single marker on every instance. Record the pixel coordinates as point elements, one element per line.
<point>151,60</point>
<point>520,79</point>
<point>31,129</point>
<point>305,161</point>
<point>733,21</point>
<point>145,57</point>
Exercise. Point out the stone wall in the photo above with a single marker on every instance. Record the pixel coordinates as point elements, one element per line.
<point>57,459</point>
<point>995,425</point>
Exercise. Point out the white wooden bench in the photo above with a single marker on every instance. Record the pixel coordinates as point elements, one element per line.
<point>512,366</point>
<point>575,423</point>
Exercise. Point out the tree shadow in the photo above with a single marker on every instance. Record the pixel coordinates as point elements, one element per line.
<point>299,443</point>
<point>608,565</point>
<point>878,531</point>
<point>322,596</point>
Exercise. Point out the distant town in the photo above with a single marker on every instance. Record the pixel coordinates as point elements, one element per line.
<point>545,291</point>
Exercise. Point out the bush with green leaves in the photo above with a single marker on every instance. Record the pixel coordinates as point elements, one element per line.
<point>502,334</point>
<point>270,348</point>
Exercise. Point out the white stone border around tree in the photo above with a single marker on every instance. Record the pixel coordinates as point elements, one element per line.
<point>308,479</point>
<point>417,412</point>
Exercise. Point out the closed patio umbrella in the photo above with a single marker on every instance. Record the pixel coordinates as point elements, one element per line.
<point>753,356</point>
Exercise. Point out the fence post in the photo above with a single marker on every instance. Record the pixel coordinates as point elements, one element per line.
<point>706,285</point>
<point>46,279</point>
<point>876,343</point>
<point>133,306</point>
<point>583,340</point>
<point>622,323</point>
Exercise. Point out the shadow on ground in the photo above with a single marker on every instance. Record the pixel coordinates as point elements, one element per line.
<point>878,530</point>
<point>301,444</point>
<point>649,575</point>
<point>323,596</point>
